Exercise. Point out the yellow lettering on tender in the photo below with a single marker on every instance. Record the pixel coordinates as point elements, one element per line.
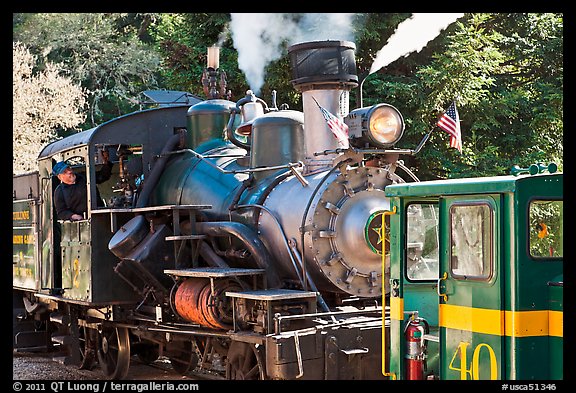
<point>22,271</point>
<point>21,215</point>
<point>22,239</point>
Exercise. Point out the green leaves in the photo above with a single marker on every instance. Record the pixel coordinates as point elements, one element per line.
<point>98,52</point>
<point>505,71</point>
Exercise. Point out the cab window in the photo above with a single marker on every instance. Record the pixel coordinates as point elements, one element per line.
<point>422,241</point>
<point>546,231</point>
<point>471,240</point>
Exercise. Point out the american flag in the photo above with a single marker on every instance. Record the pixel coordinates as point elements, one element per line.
<point>336,125</point>
<point>450,122</point>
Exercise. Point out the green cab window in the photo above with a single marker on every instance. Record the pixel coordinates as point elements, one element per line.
<point>471,228</point>
<point>546,231</point>
<point>422,261</point>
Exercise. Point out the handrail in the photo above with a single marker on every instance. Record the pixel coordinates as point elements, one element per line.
<point>384,214</point>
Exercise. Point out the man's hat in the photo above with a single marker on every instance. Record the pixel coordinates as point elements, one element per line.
<point>59,168</point>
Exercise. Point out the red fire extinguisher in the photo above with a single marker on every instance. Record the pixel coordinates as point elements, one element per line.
<point>415,349</point>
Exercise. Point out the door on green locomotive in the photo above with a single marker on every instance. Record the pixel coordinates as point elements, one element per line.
<point>471,283</point>
<point>477,278</point>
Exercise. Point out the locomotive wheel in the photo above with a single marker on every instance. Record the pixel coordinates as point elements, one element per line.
<point>114,352</point>
<point>245,362</point>
<point>87,343</point>
<point>184,358</point>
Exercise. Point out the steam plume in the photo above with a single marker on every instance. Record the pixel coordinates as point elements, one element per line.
<point>412,35</point>
<point>258,38</point>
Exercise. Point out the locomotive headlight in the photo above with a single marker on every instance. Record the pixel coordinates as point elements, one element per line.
<point>380,126</point>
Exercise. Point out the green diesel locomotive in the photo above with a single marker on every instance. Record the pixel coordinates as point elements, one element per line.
<point>476,278</point>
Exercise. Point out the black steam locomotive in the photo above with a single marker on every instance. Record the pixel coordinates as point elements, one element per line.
<point>243,240</point>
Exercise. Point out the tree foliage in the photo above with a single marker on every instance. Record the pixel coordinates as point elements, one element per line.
<point>43,102</point>
<point>103,52</point>
<point>504,70</point>
<point>505,73</point>
<point>183,40</point>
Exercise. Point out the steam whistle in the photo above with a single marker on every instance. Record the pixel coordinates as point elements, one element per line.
<point>214,79</point>
<point>534,169</point>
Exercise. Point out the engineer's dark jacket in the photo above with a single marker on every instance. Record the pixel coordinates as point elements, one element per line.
<point>72,199</point>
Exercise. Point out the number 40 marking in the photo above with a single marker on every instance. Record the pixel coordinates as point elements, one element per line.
<point>474,370</point>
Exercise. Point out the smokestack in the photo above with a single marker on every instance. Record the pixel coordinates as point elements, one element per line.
<point>213,79</point>
<point>324,72</point>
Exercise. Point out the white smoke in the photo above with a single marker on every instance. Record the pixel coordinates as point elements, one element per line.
<point>222,36</point>
<point>258,37</point>
<point>412,35</point>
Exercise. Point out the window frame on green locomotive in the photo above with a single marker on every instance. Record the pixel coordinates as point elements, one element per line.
<point>436,207</point>
<point>530,227</point>
<point>491,228</point>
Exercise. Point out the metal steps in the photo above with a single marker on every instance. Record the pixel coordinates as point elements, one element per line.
<point>65,339</point>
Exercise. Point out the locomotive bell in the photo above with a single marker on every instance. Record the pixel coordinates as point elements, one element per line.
<point>250,111</point>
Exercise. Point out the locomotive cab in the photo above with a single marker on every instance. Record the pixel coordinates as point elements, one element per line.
<point>476,272</point>
<point>77,264</point>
